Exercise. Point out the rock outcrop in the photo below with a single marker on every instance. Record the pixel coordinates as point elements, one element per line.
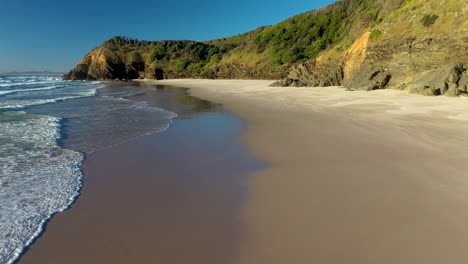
<point>404,51</point>
<point>326,70</point>
<point>318,72</point>
<point>450,80</point>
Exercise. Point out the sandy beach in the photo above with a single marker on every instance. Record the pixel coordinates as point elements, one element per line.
<point>207,132</point>
<point>354,177</point>
<point>167,197</point>
<point>351,177</point>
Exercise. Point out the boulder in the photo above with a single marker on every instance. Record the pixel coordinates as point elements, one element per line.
<point>380,79</point>
<point>448,80</point>
<point>453,91</point>
<point>455,73</point>
<point>429,92</point>
<point>463,82</point>
<point>374,80</point>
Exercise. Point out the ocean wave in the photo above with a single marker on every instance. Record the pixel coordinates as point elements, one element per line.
<point>29,83</point>
<point>30,90</point>
<point>119,121</point>
<point>39,177</point>
<point>30,77</point>
<point>19,104</point>
<point>31,194</point>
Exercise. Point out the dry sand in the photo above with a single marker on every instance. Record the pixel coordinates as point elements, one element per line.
<point>354,177</point>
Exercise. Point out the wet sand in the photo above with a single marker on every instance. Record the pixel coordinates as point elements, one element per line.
<point>169,197</point>
<point>354,177</point>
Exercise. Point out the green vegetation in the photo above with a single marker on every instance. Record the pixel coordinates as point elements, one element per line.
<point>155,55</point>
<point>266,52</point>
<point>429,19</point>
<point>182,58</point>
<point>375,34</point>
<point>304,36</point>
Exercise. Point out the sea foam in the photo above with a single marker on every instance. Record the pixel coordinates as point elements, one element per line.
<point>39,171</point>
<point>37,178</point>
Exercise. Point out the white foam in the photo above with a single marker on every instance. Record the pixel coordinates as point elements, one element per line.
<point>37,177</point>
<point>29,193</point>
<point>30,90</point>
<point>22,103</point>
<point>28,83</point>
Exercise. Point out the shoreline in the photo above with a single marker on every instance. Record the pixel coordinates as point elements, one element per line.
<point>152,199</point>
<point>366,177</point>
<point>350,178</point>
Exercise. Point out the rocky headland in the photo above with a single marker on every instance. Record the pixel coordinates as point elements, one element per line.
<point>415,45</point>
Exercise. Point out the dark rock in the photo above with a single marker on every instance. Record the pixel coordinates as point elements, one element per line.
<point>442,89</point>
<point>159,74</point>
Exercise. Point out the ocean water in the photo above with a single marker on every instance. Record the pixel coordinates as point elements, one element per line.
<point>47,127</point>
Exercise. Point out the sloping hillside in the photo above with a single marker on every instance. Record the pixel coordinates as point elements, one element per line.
<point>362,44</point>
<point>422,46</point>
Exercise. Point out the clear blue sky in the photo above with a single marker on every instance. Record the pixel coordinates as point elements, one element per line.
<point>55,34</point>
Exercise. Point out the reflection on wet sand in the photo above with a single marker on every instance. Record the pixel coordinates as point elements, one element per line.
<point>174,99</point>
<point>172,197</point>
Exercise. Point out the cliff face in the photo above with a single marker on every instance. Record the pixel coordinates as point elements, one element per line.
<point>422,47</point>
<point>327,69</point>
<point>122,58</point>
<point>419,45</point>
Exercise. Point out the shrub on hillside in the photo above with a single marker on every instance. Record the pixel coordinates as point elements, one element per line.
<point>375,34</point>
<point>429,19</point>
